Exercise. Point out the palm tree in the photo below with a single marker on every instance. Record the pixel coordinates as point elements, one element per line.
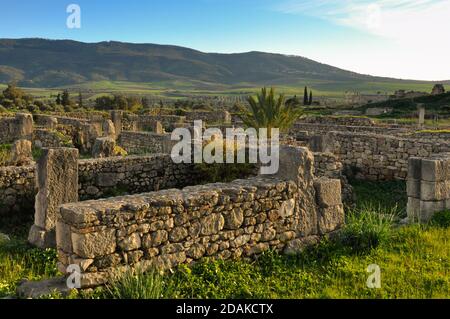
<point>269,112</point>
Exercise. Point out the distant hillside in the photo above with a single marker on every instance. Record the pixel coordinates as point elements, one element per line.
<point>55,63</point>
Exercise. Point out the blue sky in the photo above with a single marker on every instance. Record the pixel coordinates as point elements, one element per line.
<point>399,38</point>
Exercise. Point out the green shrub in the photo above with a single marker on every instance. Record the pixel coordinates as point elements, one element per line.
<point>367,228</point>
<point>137,284</point>
<point>441,219</point>
<point>5,154</point>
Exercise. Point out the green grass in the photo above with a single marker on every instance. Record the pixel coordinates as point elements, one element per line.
<point>414,262</point>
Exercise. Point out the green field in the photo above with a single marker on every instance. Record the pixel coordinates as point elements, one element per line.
<point>179,89</point>
<point>414,262</point>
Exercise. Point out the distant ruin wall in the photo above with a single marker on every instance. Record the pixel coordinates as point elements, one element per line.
<point>339,120</point>
<point>115,176</point>
<point>97,178</point>
<point>15,128</point>
<point>143,142</point>
<point>313,128</point>
<point>382,157</point>
<point>17,190</point>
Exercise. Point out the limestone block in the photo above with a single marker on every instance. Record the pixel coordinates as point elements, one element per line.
<point>63,237</point>
<point>103,147</point>
<point>57,181</point>
<point>92,245</point>
<point>433,170</point>
<point>21,153</point>
<point>25,125</point>
<point>413,188</point>
<point>328,192</point>
<point>117,117</point>
<point>296,164</point>
<point>428,208</point>
<point>415,168</point>
<point>434,191</point>
<point>413,209</point>
<point>331,218</point>
<point>109,129</point>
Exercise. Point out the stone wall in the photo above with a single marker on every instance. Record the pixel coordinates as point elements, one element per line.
<point>340,120</point>
<point>50,138</point>
<point>163,229</point>
<point>16,128</point>
<point>97,178</point>
<point>133,122</point>
<point>17,190</point>
<point>314,128</point>
<point>428,186</point>
<point>216,117</point>
<point>143,142</point>
<point>107,177</point>
<point>328,165</point>
<point>382,157</point>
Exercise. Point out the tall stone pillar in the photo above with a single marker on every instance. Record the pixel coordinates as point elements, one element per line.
<point>428,187</point>
<point>57,182</point>
<point>421,109</point>
<point>24,126</point>
<point>116,117</point>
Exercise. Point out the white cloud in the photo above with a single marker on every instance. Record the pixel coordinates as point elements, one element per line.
<point>417,41</point>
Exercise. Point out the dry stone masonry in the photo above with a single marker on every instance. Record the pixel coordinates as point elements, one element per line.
<point>163,229</point>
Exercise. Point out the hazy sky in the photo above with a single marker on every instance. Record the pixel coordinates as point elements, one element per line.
<point>407,39</point>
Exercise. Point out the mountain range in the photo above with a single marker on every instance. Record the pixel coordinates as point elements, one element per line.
<point>55,63</point>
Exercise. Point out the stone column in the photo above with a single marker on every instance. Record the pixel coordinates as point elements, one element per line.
<point>116,117</point>
<point>428,186</point>
<point>24,126</point>
<point>57,182</point>
<point>421,115</point>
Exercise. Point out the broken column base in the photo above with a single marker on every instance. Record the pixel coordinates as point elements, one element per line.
<point>42,238</point>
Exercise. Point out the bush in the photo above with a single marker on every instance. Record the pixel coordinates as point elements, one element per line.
<point>137,284</point>
<point>5,154</point>
<point>119,151</point>
<point>441,219</point>
<point>367,228</point>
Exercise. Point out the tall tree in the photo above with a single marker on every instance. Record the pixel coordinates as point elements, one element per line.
<point>267,111</point>
<point>58,99</point>
<point>65,98</point>
<point>310,98</point>
<point>305,96</point>
<point>80,100</point>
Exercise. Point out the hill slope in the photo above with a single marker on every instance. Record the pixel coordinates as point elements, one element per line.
<point>53,63</point>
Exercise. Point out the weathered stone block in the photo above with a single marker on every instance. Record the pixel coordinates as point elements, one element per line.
<point>428,208</point>
<point>413,188</point>
<point>413,209</point>
<point>103,147</point>
<point>57,180</point>
<point>434,191</point>
<point>92,245</point>
<point>331,218</point>
<point>414,168</point>
<point>63,237</point>
<point>328,192</point>
<point>433,170</point>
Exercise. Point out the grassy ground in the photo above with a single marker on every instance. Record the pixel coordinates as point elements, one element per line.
<point>414,262</point>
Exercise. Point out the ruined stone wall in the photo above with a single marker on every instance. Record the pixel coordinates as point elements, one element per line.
<point>98,178</point>
<point>382,157</point>
<point>215,117</point>
<point>115,176</point>
<point>133,122</point>
<point>14,128</point>
<point>143,142</point>
<point>17,190</point>
<point>314,128</point>
<point>340,120</point>
<point>49,138</point>
<point>163,229</point>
